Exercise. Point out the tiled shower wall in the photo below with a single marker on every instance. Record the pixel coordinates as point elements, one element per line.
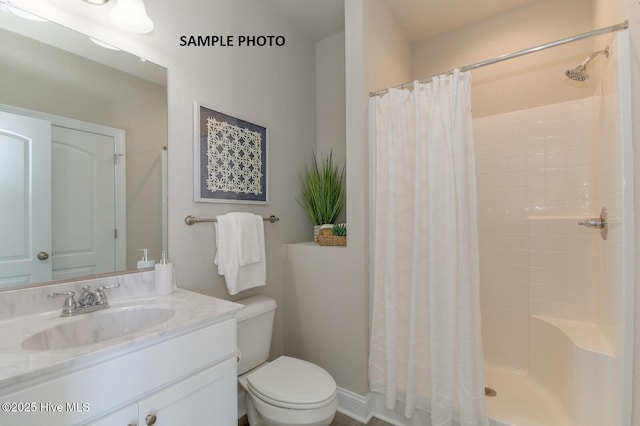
<point>562,268</point>
<point>536,162</point>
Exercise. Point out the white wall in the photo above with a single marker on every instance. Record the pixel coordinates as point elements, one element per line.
<point>387,52</point>
<point>618,10</point>
<point>607,12</point>
<point>273,87</point>
<point>609,180</point>
<point>325,306</point>
<point>522,83</point>
<point>330,102</point>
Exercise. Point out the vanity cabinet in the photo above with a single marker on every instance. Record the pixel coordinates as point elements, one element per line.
<point>182,379</point>
<point>127,416</point>
<point>203,399</point>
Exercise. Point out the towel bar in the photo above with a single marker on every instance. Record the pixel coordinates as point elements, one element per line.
<point>190,220</point>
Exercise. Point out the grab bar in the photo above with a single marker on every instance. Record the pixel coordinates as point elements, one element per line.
<point>190,220</point>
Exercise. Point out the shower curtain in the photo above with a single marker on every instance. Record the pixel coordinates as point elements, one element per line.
<point>426,347</point>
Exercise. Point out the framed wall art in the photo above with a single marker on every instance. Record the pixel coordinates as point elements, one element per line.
<point>230,159</point>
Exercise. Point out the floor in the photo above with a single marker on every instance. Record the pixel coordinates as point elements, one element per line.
<point>342,420</point>
<point>338,420</point>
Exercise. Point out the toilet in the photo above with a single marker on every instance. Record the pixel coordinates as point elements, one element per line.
<point>286,391</point>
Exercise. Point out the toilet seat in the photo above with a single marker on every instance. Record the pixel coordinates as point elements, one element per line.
<point>292,383</point>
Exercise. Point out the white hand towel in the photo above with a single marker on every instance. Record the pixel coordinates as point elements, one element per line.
<point>247,237</point>
<point>238,278</point>
<point>223,231</point>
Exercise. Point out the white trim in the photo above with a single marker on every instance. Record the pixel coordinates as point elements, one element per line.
<point>628,224</point>
<point>164,159</point>
<point>119,137</point>
<point>356,406</point>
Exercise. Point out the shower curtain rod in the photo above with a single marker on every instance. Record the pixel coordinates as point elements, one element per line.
<point>618,27</point>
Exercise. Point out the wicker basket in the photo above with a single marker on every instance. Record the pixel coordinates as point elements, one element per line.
<point>326,238</point>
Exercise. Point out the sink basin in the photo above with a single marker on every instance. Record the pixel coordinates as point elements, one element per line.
<point>97,327</point>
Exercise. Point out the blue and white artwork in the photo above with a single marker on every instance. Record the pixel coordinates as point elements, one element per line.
<point>232,159</point>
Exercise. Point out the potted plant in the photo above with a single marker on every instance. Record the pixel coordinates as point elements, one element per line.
<point>322,191</point>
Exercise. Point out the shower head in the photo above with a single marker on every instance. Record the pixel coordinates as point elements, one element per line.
<point>579,73</point>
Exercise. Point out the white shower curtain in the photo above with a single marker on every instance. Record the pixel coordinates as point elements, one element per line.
<point>426,347</point>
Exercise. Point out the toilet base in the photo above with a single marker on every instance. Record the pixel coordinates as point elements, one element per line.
<point>268,415</point>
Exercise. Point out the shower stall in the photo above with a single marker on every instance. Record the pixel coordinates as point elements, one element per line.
<point>556,228</point>
<point>555,325</point>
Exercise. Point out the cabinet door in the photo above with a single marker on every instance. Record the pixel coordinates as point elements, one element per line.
<point>127,416</point>
<point>206,398</point>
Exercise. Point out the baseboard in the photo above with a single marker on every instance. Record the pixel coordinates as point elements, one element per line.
<point>356,406</point>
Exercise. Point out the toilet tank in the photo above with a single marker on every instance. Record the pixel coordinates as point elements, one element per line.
<point>255,326</point>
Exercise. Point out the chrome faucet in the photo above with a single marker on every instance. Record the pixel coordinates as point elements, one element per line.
<point>89,300</point>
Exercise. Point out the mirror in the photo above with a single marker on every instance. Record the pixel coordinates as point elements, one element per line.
<point>52,71</point>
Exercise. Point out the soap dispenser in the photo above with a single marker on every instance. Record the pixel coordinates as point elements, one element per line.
<point>145,262</point>
<point>165,276</point>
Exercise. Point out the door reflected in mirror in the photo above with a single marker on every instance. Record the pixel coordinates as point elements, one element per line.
<point>102,170</point>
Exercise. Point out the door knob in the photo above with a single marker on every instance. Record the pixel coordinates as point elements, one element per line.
<point>150,419</point>
<point>43,255</point>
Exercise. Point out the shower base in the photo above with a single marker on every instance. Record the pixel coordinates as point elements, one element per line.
<point>520,401</point>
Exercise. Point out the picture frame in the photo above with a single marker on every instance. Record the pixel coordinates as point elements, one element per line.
<point>230,158</point>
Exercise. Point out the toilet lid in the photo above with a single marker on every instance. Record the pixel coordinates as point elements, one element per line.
<point>291,381</point>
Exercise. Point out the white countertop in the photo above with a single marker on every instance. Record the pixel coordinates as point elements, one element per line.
<point>19,365</point>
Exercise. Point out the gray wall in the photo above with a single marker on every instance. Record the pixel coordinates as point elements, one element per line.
<point>273,87</point>
<point>325,294</point>
<point>521,83</point>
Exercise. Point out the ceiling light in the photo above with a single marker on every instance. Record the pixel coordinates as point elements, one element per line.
<point>131,15</point>
<point>97,2</point>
